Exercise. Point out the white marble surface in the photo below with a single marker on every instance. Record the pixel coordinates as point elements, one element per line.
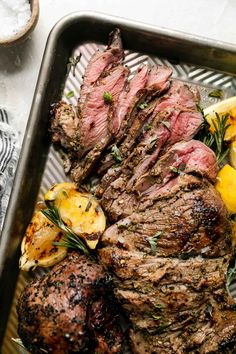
<point>19,65</point>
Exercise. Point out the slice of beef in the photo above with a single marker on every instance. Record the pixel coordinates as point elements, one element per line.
<point>158,83</point>
<point>100,62</point>
<point>70,310</point>
<point>185,157</point>
<point>170,260</point>
<point>142,113</point>
<point>95,114</point>
<point>128,99</point>
<point>64,124</point>
<point>174,122</point>
<point>189,219</point>
<point>94,124</point>
<point>170,125</point>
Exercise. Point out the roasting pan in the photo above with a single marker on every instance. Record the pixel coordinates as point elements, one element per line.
<point>202,62</point>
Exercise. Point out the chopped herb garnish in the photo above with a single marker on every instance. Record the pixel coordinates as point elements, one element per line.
<point>147,127</point>
<point>161,328</point>
<point>70,238</point>
<point>88,206</point>
<point>122,226</point>
<point>153,142</point>
<point>143,105</point>
<point>65,193</point>
<point>216,93</point>
<point>153,241</point>
<point>70,94</point>
<point>166,124</point>
<point>107,97</point>
<point>174,169</point>
<point>115,152</point>
<point>159,306</point>
<point>157,318</point>
<point>178,170</point>
<point>73,61</point>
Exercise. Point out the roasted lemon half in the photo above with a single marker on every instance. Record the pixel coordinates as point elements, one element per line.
<point>37,246</point>
<point>80,211</point>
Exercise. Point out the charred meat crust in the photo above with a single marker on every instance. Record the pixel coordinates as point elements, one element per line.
<point>70,310</point>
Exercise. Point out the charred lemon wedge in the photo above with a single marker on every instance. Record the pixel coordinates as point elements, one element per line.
<point>226,185</point>
<point>80,211</point>
<point>224,107</point>
<point>37,246</point>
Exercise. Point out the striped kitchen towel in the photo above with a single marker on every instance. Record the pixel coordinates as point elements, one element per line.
<point>9,152</point>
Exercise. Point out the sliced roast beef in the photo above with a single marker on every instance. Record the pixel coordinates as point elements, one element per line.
<point>139,111</point>
<point>188,219</point>
<point>170,261</point>
<point>100,62</point>
<point>94,123</point>
<point>95,114</point>
<point>166,128</point>
<point>128,99</point>
<point>184,157</point>
<point>64,125</point>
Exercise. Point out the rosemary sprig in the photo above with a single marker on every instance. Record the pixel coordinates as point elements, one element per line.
<point>70,238</point>
<point>215,139</point>
<point>220,127</point>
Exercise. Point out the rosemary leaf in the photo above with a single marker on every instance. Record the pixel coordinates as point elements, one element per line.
<point>166,124</point>
<point>70,94</point>
<point>143,105</point>
<point>153,241</point>
<point>147,127</point>
<point>88,206</point>
<point>216,93</point>
<point>115,152</point>
<point>73,61</point>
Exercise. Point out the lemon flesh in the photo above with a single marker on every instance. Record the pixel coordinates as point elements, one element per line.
<point>37,245</point>
<point>79,210</point>
<point>222,108</point>
<point>226,186</point>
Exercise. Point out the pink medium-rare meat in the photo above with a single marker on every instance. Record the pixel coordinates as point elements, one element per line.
<point>184,157</point>
<point>95,132</point>
<point>161,134</point>
<point>100,62</point>
<point>158,83</point>
<point>128,98</point>
<point>94,125</point>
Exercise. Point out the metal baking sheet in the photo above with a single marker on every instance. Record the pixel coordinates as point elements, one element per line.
<point>196,61</point>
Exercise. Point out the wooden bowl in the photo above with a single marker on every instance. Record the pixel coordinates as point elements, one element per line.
<point>29,27</point>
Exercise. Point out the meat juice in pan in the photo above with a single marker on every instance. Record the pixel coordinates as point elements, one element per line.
<point>204,79</point>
